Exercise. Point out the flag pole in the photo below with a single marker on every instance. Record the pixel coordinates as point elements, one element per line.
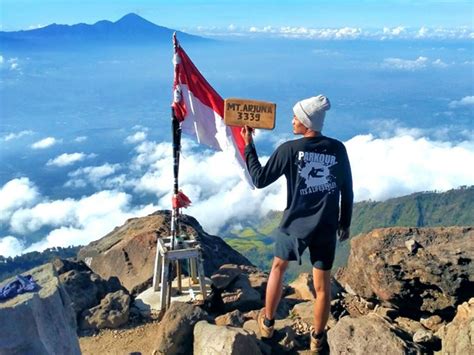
<point>176,133</point>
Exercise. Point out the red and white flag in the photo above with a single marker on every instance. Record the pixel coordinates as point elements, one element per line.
<point>201,110</point>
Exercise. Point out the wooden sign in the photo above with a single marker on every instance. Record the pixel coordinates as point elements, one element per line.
<point>255,114</point>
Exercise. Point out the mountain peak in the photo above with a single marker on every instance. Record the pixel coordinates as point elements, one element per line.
<point>133,19</point>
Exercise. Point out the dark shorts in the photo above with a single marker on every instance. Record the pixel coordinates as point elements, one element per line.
<point>321,249</point>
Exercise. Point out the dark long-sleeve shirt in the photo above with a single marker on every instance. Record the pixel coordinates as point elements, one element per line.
<point>318,176</point>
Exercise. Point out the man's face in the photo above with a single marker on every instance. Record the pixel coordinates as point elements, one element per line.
<point>298,127</point>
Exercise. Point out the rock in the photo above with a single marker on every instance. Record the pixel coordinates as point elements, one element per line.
<point>234,319</point>
<point>258,281</point>
<point>40,322</point>
<point>85,288</point>
<point>369,334</point>
<point>305,311</point>
<point>356,306</point>
<point>112,312</point>
<point>431,281</point>
<point>457,337</point>
<point>212,339</point>
<point>225,275</point>
<point>175,332</point>
<point>280,324</point>
<point>128,252</point>
<point>240,295</point>
<point>423,336</point>
<point>432,323</point>
<point>412,245</point>
<point>289,340</point>
<point>387,312</point>
<point>303,286</point>
<point>408,325</point>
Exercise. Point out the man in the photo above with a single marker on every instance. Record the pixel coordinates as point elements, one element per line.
<point>318,176</point>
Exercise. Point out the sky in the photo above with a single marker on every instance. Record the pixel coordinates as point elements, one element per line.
<point>189,15</point>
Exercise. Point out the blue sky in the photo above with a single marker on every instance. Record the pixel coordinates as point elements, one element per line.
<point>180,14</point>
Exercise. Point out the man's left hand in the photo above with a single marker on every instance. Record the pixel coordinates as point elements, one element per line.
<point>246,133</point>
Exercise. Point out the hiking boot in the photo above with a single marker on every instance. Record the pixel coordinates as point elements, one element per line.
<point>318,341</point>
<point>265,332</point>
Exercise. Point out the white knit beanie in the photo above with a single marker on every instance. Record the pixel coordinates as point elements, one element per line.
<point>311,112</point>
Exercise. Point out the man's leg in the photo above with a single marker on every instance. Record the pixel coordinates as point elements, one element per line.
<point>274,286</point>
<point>322,304</point>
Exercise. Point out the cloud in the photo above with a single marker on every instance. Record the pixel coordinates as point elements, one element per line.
<point>1,60</point>
<point>137,137</point>
<point>397,163</point>
<point>405,64</point>
<point>75,222</point>
<point>396,31</point>
<point>439,63</point>
<point>66,159</point>
<point>10,246</point>
<point>404,164</point>
<point>94,175</point>
<point>466,101</point>
<point>15,194</point>
<point>11,136</point>
<point>13,63</point>
<point>80,139</point>
<point>45,143</point>
<point>385,33</point>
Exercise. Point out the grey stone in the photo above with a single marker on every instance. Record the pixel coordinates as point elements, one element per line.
<point>40,322</point>
<point>423,336</point>
<point>234,319</point>
<point>457,337</point>
<point>432,323</point>
<point>434,280</point>
<point>210,339</point>
<point>112,312</point>
<point>225,276</point>
<point>369,334</point>
<point>175,332</point>
<point>240,295</point>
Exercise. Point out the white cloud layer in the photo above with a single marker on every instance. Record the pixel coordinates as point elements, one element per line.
<point>16,194</point>
<point>383,166</point>
<point>385,33</point>
<point>45,143</point>
<point>467,101</point>
<point>94,175</point>
<point>136,137</point>
<point>12,136</point>
<point>66,159</point>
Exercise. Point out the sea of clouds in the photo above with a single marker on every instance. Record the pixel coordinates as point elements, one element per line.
<point>384,165</point>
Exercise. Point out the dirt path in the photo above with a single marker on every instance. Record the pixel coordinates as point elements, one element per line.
<point>137,340</point>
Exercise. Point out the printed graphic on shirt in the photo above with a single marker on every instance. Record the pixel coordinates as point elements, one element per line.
<point>314,171</point>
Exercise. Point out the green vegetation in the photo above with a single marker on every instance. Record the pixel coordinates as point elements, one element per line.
<point>14,266</point>
<point>422,209</point>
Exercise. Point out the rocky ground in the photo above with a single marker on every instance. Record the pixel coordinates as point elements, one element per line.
<point>404,291</point>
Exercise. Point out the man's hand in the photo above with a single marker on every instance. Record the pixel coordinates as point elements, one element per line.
<point>246,133</point>
<point>343,233</point>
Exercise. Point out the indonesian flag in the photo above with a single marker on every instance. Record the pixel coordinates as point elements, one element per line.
<point>200,109</point>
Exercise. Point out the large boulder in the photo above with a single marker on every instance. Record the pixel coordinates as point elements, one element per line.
<point>431,278</point>
<point>129,251</point>
<point>210,339</point>
<point>175,333</point>
<point>458,336</point>
<point>85,288</point>
<point>40,322</point>
<point>112,312</point>
<point>369,334</point>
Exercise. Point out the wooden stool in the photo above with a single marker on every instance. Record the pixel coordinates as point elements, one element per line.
<point>185,249</point>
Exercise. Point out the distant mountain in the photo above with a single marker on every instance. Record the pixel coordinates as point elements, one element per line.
<point>421,209</point>
<point>129,30</point>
